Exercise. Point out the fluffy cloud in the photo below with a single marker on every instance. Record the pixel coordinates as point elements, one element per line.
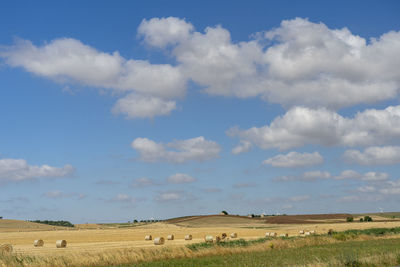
<point>70,61</point>
<point>138,106</point>
<point>178,151</point>
<point>307,176</point>
<point>391,188</point>
<point>169,196</point>
<point>366,189</point>
<point>295,159</point>
<point>143,182</point>
<point>369,176</point>
<point>300,126</point>
<point>13,170</point>
<point>298,63</point>
<point>165,31</point>
<point>347,174</point>
<point>386,155</point>
<point>59,194</point>
<point>124,198</point>
<point>180,178</point>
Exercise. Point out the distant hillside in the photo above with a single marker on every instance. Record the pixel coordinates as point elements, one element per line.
<point>214,220</point>
<point>17,225</point>
<point>232,220</point>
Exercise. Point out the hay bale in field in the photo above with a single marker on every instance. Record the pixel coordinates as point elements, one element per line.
<point>223,236</point>
<point>148,237</point>
<point>301,232</point>
<point>38,243</point>
<point>61,243</point>
<point>233,235</point>
<point>159,241</point>
<point>170,237</point>
<point>188,237</point>
<point>6,248</point>
<point>209,238</point>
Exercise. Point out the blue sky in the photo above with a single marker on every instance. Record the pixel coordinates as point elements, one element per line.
<point>122,111</point>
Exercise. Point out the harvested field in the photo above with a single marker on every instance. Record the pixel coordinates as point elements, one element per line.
<point>23,226</point>
<point>312,218</point>
<point>113,238</point>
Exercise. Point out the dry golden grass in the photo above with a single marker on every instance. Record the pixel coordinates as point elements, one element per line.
<point>105,239</point>
<point>23,226</point>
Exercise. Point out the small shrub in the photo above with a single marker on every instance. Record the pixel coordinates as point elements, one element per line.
<point>352,263</point>
<point>367,219</point>
<point>361,219</point>
<point>224,212</point>
<point>349,219</point>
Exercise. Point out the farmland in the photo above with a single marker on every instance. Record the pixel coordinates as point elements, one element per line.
<point>117,239</point>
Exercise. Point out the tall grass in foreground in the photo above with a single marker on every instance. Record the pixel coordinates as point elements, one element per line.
<point>351,248</point>
<point>381,252</point>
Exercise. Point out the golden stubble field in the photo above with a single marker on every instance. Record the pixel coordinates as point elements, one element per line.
<point>106,239</point>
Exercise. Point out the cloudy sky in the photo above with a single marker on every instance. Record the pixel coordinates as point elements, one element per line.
<point>114,112</point>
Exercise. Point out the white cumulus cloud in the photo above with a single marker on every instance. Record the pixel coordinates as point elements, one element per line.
<point>178,151</point>
<point>295,159</point>
<point>143,182</point>
<point>385,155</point>
<point>301,126</point>
<point>138,106</point>
<point>180,178</point>
<point>368,176</point>
<point>68,60</point>
<point>12,170</point>
<point>298,63</point>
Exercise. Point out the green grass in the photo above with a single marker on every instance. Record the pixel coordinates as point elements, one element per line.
<point>230,244</point>
<point>385,252</point>
<point>351,234</point>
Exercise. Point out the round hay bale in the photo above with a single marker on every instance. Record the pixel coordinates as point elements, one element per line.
<point>6,248</point>
<point>170,237</point>
<point>301,232</point>
<point>61,243</point>
<point>148,237</point>
<point>188,237</point>
<point>38,243</point>
<point>209,238</point>
<point>159,241</point>
<point>233,235</point>
<point>223,236</point>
